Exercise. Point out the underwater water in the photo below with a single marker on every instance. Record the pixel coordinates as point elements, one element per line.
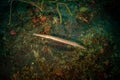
<point>75,40</point>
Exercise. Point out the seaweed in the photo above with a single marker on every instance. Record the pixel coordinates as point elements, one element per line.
<point>84,49</point>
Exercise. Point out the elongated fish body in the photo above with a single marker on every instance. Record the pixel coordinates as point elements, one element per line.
<point>60,40</point>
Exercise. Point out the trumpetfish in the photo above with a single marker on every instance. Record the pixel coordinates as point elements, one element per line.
<point>60,40</point>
